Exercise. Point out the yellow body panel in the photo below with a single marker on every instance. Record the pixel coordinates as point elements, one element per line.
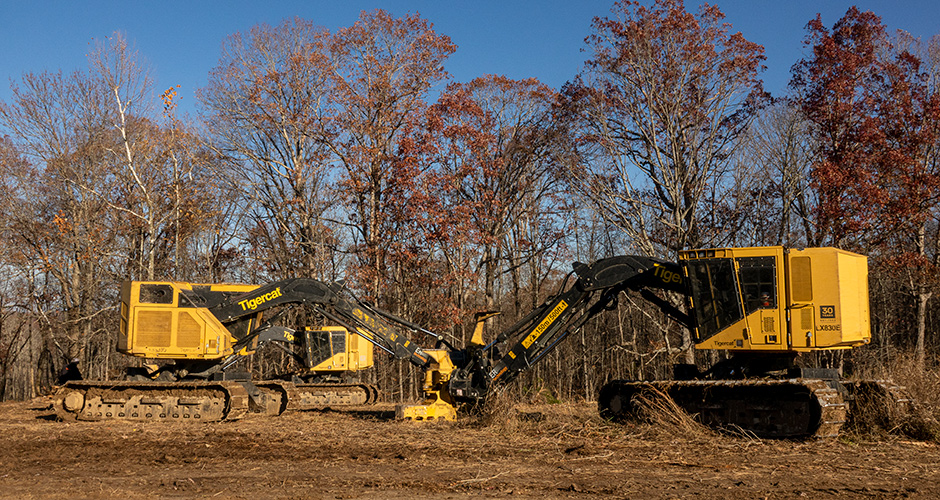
<point>788,299</point>
<point>837,297</point>
<point>154,325</point>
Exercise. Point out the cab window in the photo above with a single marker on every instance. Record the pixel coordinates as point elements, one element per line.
<point>758,283</point>
<point>715,299</point>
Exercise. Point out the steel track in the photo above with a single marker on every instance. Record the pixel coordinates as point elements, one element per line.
<point>766,408</point>
<point>201,401</point>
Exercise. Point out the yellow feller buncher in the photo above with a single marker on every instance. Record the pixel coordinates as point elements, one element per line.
<point>764,305</point>
<point>205,329</point>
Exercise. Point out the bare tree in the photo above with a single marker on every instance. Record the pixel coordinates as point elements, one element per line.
<point>774,200</point>
<point>655,116</point>
<point>656,113</point>
<point>268,114</point>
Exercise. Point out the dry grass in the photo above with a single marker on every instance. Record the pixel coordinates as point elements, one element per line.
<point>657,417</point>
<point>663,415</point>
<point>922,386</point>
<point>497,410</point>
<point>509,416</point>
<point>874,412</point>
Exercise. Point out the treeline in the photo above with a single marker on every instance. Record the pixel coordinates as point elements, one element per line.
<point>351,155</point>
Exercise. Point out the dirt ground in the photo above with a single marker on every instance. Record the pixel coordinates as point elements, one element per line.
<point>549,451</point>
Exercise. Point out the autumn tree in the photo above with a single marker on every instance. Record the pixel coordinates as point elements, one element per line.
<point>199,209</point>
<point>496,145</point>
<point>315,124</point>
<point>875,106</point>
<point>384,69</point>
<point>61,239</point>
<point>837,87</point>
<point>103,193</point>
<point>310,119</point>
<point>915,131</point>
<point>150,174</point>
<point>656,113</point>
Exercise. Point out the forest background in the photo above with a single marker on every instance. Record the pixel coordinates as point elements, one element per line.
<point>352,155</point>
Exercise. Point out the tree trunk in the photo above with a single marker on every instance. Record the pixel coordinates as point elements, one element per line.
<point>923,296</point>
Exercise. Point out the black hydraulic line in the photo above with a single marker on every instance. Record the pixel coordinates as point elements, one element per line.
<point>375,340</point>
<point>297,358</point>
<point>670,310</point>
<point>395,319</point>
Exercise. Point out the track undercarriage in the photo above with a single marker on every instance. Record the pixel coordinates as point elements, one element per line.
<point>794,408</point>
<point>200,401</point>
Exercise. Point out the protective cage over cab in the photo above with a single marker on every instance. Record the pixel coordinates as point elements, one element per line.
<point>778,299</point>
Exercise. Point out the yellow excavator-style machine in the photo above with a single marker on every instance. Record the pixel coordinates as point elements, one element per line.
<point>202,330</point>
<point>762,305</point>
<point>765,306</point>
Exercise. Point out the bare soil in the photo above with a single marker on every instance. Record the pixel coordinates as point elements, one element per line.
<point>547,451</point>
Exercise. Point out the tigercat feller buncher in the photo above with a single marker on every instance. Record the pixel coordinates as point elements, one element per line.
<point>205,329</point>
<point>764,305</point>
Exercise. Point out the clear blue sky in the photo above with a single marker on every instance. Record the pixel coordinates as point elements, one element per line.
<point>520,39</point>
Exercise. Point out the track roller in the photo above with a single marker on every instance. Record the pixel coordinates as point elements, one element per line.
<point>306,396</point>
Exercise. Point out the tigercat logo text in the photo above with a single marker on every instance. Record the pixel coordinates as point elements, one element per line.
<point>539,330</point>
<point>666,275</point>
<point>257,301</point>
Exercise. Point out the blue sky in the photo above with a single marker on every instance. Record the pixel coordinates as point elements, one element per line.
<point>517,38</point>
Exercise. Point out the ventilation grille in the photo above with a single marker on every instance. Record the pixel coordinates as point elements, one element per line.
<point>153,328</point>
<point>768,325</point>
<point>806,318</point>
<point>190,333</point>
<point>801,279</point>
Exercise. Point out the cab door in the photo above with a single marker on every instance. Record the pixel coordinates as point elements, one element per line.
<point>761,296</point>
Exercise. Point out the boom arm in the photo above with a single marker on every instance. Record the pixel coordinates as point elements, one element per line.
<point>325,299</point>
<point>535,335</point>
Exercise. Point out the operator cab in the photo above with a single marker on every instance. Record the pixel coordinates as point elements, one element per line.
<point>777,299</point>
<point>333,349</point>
